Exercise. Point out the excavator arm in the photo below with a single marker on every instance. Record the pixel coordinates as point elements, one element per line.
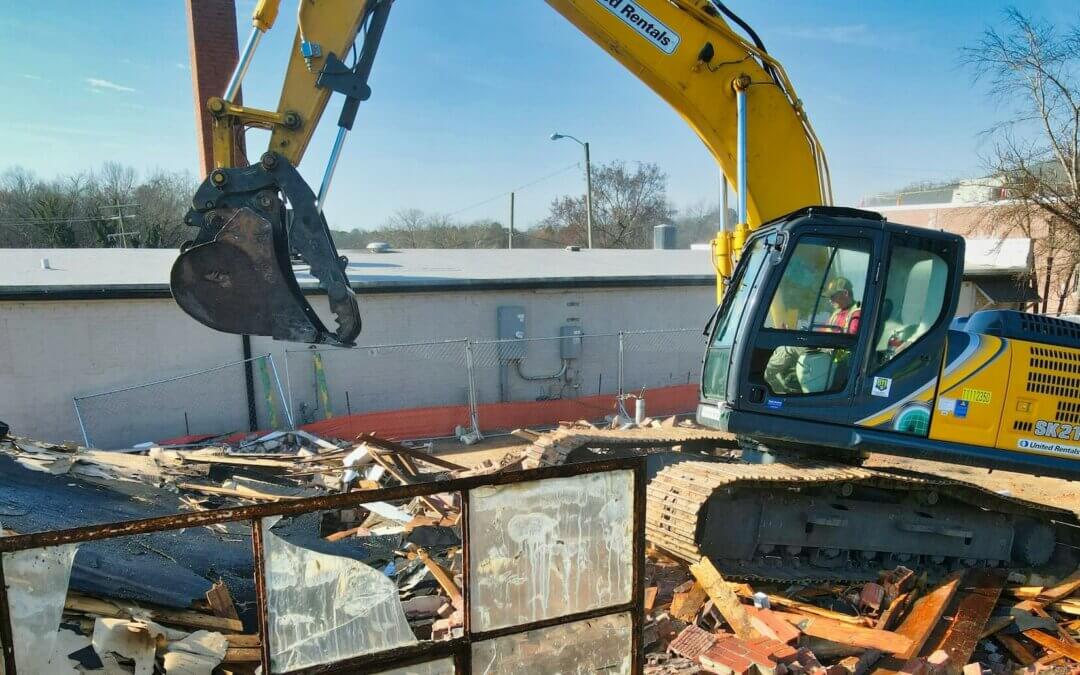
<point>237,275</point>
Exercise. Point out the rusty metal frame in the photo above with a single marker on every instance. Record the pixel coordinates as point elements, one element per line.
<point>459,649</point>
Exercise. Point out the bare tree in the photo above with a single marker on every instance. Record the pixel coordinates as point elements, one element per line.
<point>1034,67</point>
<point>82,210</point>
<point>626,205</point>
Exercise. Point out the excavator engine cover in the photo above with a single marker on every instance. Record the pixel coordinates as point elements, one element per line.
<point>237,275</point>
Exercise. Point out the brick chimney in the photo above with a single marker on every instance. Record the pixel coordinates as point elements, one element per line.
<point>212,47</point>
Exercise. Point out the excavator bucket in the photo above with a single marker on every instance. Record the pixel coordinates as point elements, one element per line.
<point>237,276</point>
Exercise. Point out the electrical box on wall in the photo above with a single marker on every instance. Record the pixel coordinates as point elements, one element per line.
<point>511,327</point>
<point>570,344</point>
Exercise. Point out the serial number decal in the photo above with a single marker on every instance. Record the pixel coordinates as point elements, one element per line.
<point>645,24</point>
<point>976,395</point>
<point>1059,430</point>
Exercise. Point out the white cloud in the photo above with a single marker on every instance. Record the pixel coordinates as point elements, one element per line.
<point>846,34</point>
<point>99,84</point>
<point>30,77</point>
<point>182,66</point>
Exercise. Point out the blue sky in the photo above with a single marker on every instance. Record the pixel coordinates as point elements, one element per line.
<point>466,94</point>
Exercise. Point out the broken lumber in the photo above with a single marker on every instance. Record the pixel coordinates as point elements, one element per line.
<point>925,614</point>
<point>115,609</point>
<point>807,608</point>
<point>1019,652</point>
<point>1063,590</point>
<point>1058,645</point>
<point>970,611</point>
<point>724,598</point>
<point>221,602</point>
<point>846,634</point>
<point>413,453</point>
<point>685,605</point>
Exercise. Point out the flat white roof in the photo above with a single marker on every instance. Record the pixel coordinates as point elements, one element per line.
<point>112,272</point>
<point>146,271</point>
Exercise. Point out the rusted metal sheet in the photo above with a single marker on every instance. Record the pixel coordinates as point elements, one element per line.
<point>459,650</point>
<point>970,611</point>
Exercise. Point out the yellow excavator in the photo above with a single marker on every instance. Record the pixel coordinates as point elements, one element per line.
<point>831,337</point>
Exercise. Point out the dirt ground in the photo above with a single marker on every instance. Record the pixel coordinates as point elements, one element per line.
<point>1050,491</point>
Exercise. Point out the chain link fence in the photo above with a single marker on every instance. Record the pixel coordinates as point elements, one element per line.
<point>581,372</point>
<point>241,396</point>
<point>493,385</point>
<point>661,358</point>
<point>324,383</point>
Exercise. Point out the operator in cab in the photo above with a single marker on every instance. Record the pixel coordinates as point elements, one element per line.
<point>782,370</point>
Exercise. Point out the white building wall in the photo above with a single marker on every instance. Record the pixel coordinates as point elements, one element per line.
<point>51,351</point>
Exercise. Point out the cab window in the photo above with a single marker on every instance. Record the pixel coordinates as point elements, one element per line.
<point>915,290</point>
<point>821,292</point>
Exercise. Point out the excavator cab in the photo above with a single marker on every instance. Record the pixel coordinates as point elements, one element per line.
<point>833,315</point>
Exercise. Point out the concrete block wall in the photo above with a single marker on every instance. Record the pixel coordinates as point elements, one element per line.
<point>51,351</point>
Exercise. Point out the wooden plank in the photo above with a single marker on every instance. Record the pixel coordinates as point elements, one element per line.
<point>895,611</point>
<point>1052,643</point>
<point>724,598</point>
<point>381,460</point>
<point>1063,590</point>
<point>246,493</point>
<point>685,606</point>
<point>1019,652</point>
<point>242,655</point>
<point>807,608</point>
<point>405,450</point>
<point>116,609</point>
<point>846,634</point>
<point>220,601</point>
<point>969,612</point>
<point>925,614</point>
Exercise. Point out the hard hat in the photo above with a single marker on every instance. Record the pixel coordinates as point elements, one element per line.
<point>837,285</point>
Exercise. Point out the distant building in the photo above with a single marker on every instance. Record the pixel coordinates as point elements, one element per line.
<point>981,208</point>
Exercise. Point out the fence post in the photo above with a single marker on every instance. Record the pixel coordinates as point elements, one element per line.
<point>621,362</point>
<point>288,413</point>
<point>288,387</point>
<point>82,427</point>
<point>474,413</point>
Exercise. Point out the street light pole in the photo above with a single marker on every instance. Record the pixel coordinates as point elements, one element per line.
<point>588,185</point>
<point>588,195</point>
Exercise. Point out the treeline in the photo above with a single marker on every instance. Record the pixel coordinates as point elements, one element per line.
<point>114,207</point>
<point>110,207</point>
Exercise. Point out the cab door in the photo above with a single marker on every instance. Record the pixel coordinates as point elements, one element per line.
<point>921,284</point>
<point>801,353</point>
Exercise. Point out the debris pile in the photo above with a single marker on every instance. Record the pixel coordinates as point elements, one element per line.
<point>194,611</point>
<point>973,622</point>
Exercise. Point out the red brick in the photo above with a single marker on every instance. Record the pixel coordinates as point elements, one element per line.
<point>871,597</point>
<point>724,662</point>
<point>692,642</point>
<point>767,623</point>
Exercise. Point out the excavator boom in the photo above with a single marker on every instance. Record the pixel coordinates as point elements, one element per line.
<point>254,222</point>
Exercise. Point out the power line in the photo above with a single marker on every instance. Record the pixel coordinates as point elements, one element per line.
<point>516,189</point>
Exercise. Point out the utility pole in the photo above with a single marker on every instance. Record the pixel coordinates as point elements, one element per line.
<point>510,244</point>
<point>588,195</point>
<point>119,217</point>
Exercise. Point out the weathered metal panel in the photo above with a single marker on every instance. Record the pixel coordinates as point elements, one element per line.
<point>546,549</point>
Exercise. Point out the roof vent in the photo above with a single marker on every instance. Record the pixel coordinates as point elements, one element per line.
<point>45,264</point>
<point>378,247</point>
<point>573,248</point>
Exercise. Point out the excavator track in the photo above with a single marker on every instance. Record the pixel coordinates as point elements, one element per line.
<point>801,521</point>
